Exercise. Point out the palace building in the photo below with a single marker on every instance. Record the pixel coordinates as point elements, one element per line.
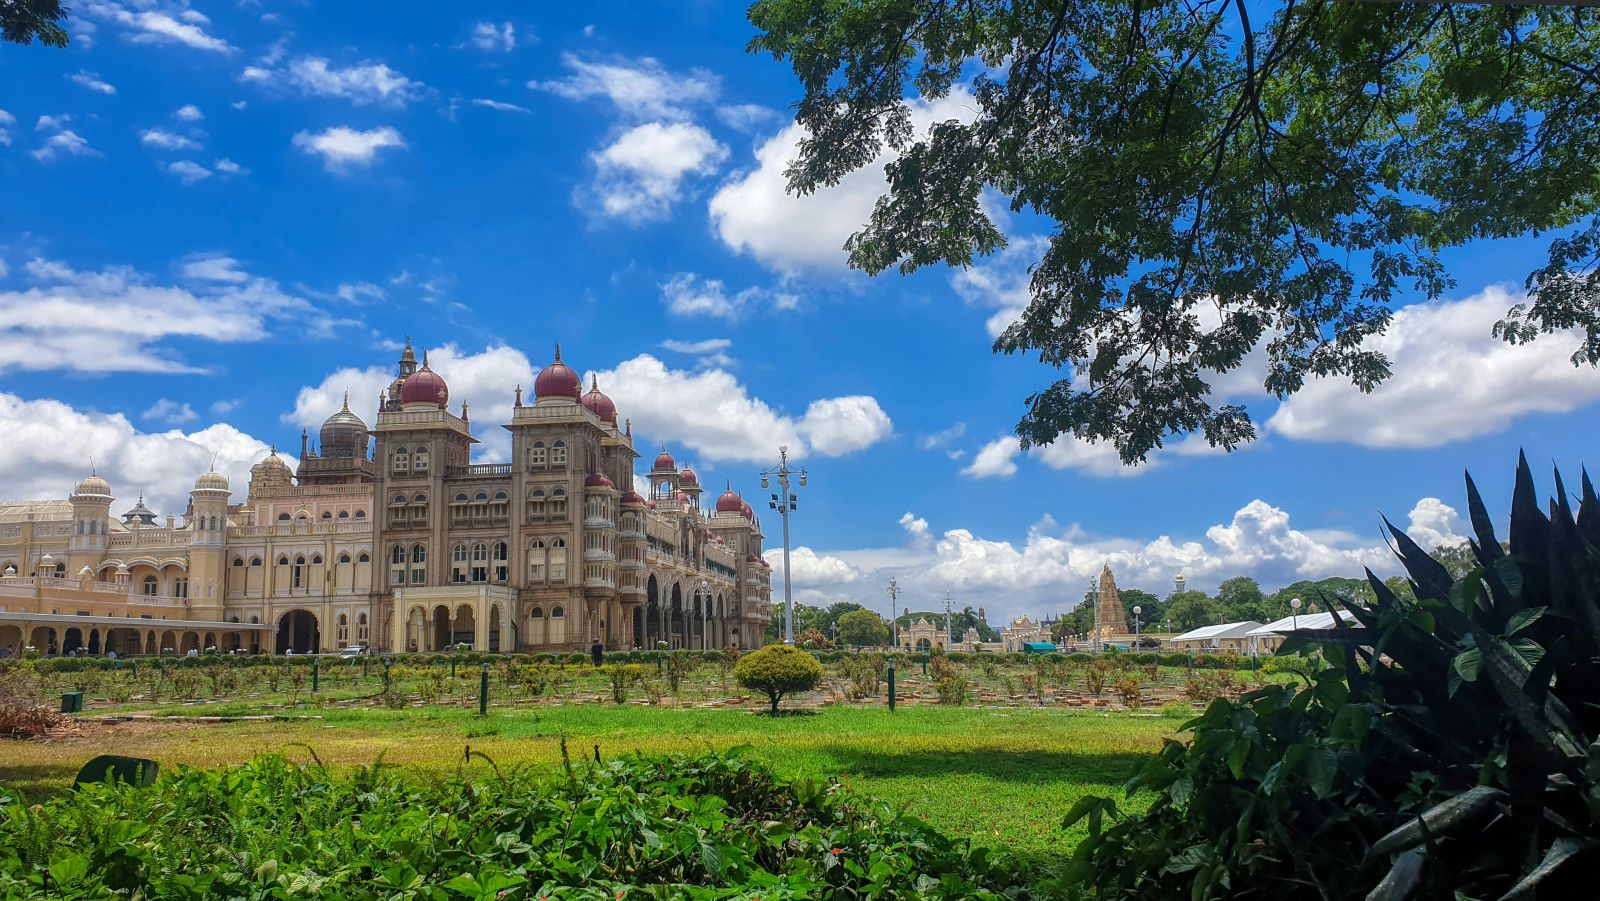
<point>390,537</point>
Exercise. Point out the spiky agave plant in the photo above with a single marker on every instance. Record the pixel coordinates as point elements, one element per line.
<point>1448,749</point>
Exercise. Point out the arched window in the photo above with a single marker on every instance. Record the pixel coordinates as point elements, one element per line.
<point>419,565</point>
<point>397,554</point>
<point>536,503</point>
<point>361,514</point>
<point>299,571</point>
<point>558,503</point>
<point>327,514</point>
<point>557,612</point>
<point>238,561</point>
<point>344,514</point>
<point>149,586</point>
<point>397,565</point>
<point>363,558</point>
<point>344,558</point>
<point>361,629</point>
<point>401,461</point>
<point>537,454</point>
<point>461,499</point>
<point>316,559</point>
<point>458,563</point>
<point>558,560</point>
<point>536,613</point>
<point>255,561</point>
<point>480,562</point>
<point>283,517</point>
<point>500,553</point>
<point>283,560</point>
<point>419,463</point>
<point>536,570</point>
<point>419,508</point>
<point>558,454</point>
<point>481,498</point>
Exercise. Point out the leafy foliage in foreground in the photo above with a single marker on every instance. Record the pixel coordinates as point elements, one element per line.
<point>698,828</point>
<point>1449,750</point>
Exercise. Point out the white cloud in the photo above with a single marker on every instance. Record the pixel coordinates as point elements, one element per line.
<point>226,405</point>
<point>1435,524</point>
<point>492,37</point>
<point>941,438</point>
<point>1048,570</point>
<point>686,294</point>
<point>343,148</point>
<point>189,171</point>
<point>640,175</point>
<point>117,319</point>
<point>1002,283</point>
<point>188,113</point>
<point>229,167</point>
<point>747,117</point>
<point>365,83</point>
<point>160,26</point>
<point>500,105</point>
<point>215,269</point>
<point>170,412</point>
<point>639,89</point>
<point>92,81</point>
<point>166,140</point>
<point>6,122</point>
<point>704,346</point>
<point>997,459</point>
<point>1451,380</point>
<point>63,143</point>
<point>712,414</point>
<point>916,527</point>
<point>359,292</point>
<point>52,444</point>
<point>752,212</point>
<point>52,123</point>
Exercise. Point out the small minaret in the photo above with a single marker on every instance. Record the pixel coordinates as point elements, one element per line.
<point>91,522</point>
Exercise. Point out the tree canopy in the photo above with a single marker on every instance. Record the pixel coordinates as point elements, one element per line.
<point>23,20</point>
<point>863,628</point>
<point>1220,177</point>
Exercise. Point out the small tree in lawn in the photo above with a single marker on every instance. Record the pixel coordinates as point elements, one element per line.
<point>778,670</point>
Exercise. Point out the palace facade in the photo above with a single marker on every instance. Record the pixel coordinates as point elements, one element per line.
<point>392,538</point>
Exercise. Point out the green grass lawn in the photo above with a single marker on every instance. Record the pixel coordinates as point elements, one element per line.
<point>1003,777</point>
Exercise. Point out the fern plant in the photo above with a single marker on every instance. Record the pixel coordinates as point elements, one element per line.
<point>1447,748</point>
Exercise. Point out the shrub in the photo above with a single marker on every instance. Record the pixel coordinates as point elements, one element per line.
<point>778,670</point>
<point>948,682</point>
<point>1446,748</point>
<point>24,719</point>
<point>1128,690</point>
<point>622,677</point>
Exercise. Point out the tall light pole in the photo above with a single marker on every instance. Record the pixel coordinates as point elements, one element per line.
<point>894,621</point>
<point>1137,612</point>
<point>949,636</point>
<point>785,503</point>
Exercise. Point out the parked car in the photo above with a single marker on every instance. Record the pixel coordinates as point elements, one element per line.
<point>354,650</point>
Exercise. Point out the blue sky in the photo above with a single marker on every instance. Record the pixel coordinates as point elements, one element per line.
<point>218,217</point>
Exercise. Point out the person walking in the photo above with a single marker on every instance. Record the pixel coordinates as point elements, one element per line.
<point>597,652</point>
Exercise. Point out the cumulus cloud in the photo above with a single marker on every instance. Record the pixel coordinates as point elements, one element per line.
<point>170,412</point>
<point>188,171</point>
<point>52,444</point>
<point>713,414</point>
<point>1435,524</point>
<point>640,175</point>
<point>942,438</point>
<point>159,23</point>
<point>119,319</point>
<point>1001,283</point>
<point>92,81</point>
<point>188,113</point>
<point>343,148</point>
<point>7,121</point>
<point>167,140</point>
<point>753,213</point>
<point>998,458</point>
<point>364,83</point>
<point>704,346</point>
<point>229,167</point>
<point>489,36</point>
<point>63,144</point>
<point>1451,380</point>
<point>638,89</point>
<point>686,294</point>
<point>1046,571</point>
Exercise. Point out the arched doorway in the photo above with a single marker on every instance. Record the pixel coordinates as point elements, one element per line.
<point>297,631</point>
<point>441,628</point>
<point>645,619</point>
<point>466,628</point>
<point>676,619</point>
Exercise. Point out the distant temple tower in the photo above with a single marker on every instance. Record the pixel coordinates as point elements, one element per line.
<point>1109,617</point>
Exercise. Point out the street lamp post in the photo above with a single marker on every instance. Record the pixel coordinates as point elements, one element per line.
<point>894,621</point>
<point>785,502</point>
<point>705,615</point>
<point>1137,611</point>
<point>1294,614</point>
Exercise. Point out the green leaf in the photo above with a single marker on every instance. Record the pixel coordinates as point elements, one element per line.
<point>68,868</point>
<point>1523,619</point>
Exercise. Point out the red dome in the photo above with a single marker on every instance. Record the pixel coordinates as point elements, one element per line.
<point>597,481</point>
<point>745,509</point>
<point>731,502</point>
<point>688,479</point>
<point>558,380</point>
<point>664,462</point>
<point>424,387</point>
<point>633,497</point>
<point>600,405</point>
